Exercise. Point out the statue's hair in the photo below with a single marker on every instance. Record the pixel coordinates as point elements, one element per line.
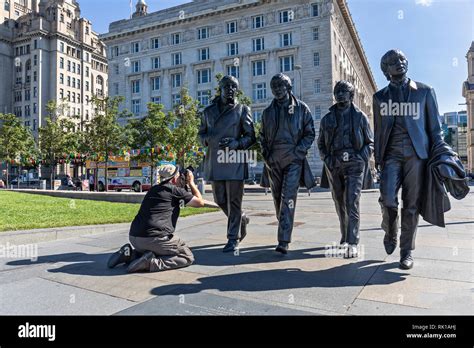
<point>282,77</point>
<point>343,84</point>
<point>229,78</point>
<point>384,62</point>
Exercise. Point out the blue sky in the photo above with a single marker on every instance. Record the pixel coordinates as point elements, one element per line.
<point>434,34</point>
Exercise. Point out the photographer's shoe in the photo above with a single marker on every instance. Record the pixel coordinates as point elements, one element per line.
<point>243,227</point>
<point>232,245</point>
<point>142,264</point>
<point>124,255</point>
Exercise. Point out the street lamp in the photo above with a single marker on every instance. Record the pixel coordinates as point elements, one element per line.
<point>299,68</point>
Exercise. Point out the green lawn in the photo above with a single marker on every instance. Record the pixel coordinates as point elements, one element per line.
<point>22,211</point>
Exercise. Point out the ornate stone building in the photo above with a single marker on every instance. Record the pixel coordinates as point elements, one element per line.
<point>48,52</point>
<point>468,93</point>
<point>152,55</point>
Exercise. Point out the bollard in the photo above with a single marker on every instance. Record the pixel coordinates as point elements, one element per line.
<point>201,186</point>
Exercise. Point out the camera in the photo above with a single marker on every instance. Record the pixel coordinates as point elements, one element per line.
<point>183,175</point>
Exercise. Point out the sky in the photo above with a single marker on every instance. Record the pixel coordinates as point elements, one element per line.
<point>435,35</point>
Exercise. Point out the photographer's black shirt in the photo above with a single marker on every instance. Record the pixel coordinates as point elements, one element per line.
<point>159,211</point>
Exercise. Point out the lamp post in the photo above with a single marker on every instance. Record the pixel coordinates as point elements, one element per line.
<point>299,68</point>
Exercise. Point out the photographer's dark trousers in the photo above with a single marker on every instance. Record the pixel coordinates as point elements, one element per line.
<point>171,252</point>
<point>228,195</point>
<point>284,183</point>
<point>346,181</point>
<point>402,168</point>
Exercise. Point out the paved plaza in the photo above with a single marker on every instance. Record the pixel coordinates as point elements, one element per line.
<point>70,276</point>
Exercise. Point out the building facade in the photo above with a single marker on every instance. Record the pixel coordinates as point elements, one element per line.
<point>455,133</point>
<point>49,53</point>
<point>468,93</point>
<point>153,55</point>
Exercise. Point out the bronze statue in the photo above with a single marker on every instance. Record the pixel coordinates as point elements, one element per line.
<point>407,136</point>
<point>227,127</point>
<point>286,135</point>
<point>345,144</point>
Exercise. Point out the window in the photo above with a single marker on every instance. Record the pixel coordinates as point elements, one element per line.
<point>232,48</point>
<point>18,96</point>
<point>7,5</point>
<point>135,47</point>
<point>61,79</point>
<point>78,83</point>
<point>286,16</point>
<point>316,34</point>
<point>61,47</point>
<point>87,71</point>
<point>35,76</point>
<point>286,39</point>
<point>74,68</point>
<point>155,83</point>
<point>204,76</point>
<point>69,81</point>
<point>73,82</point>
<point>68,65</point>
<point>203,33</point>
<point>259,91</point>
<point>35,92</point>
<point>286,64</point>
<point>116,69</point>
<point>156,100</point>
<point>176,80</point>
<point>136,106</point>
<point>87,30</point>
<point>176,38</point>
<point>87,86</point>
<point>27,110</point>
<point>69,96</point>
<point>257,116</point>
<point>116,88</point>
<point>233,70</point>
<point>78,68</point>
<point>155,62</point>
<point>317,86</point>
<point>259,68</point>
<point>35,60</point>
<point>316,59</point>
<point>176,99</point>
<point>258,44</point>
<point>27,95</point>
<point>203,54</point>
<point>35,108</point>
<point>315,10</point>
<point>115,51</point>
<point>155,43</point>
<point>203,97</point>
<point>136,66</point>
<point>257,22</point>
<point>61,18</point>
<point>136,86</point>
<point>176,58</point>
<point>317,112</point>
<point>232,27</point>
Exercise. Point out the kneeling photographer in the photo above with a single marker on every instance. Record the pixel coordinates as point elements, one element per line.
<point>155,247</point>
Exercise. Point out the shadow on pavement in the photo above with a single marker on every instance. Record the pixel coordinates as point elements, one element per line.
<point>353,274</point>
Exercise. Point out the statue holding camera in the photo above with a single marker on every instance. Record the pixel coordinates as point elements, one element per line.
<point>227,130</point>
<point>345,144</point>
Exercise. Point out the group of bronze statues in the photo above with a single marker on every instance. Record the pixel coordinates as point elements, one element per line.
<point>407,142</point>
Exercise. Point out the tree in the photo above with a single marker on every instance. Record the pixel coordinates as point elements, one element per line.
<point>185,141</point>
<point>152,132</point>
<point>16,141</point>
<point>106,135</point>
<point>57,137</point>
